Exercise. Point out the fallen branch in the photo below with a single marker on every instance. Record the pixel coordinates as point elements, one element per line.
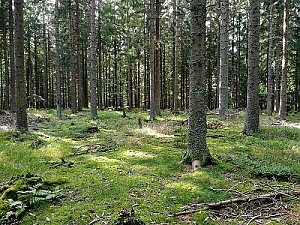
<point>250,199</point>
<point>222,204</point>
<point>265,217</point>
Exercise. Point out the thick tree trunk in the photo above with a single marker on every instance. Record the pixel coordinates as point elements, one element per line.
<point>93,62</point>
<point>197,147</point>
<point>283,89</point>
<point>224,48</point>
<point>252,112</point>
<point>19,56</point>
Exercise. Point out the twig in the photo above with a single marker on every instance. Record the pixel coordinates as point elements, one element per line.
<point>95,220</point>
<point>265,217</point>
<point>236,200</point>
<point>228,190</point>
<point>252,219</point>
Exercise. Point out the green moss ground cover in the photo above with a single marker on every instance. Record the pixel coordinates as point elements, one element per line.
<point>125,166</point>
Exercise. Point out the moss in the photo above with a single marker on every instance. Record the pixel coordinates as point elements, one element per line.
<point>11,192</point>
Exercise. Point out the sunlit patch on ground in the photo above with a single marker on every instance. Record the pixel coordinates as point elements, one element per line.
<point>153,132</point>
<point>184,186</point>
<point>129,154</point>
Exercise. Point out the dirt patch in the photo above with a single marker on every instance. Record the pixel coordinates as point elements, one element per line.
<point>8,121</point>
<point>277,122</point>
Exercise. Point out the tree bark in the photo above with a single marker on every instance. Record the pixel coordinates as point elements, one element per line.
<point>19,57</point>
<point>270,60</point>
<point>12,60</point>
<point>176,55</point>
<point>197,147</point>
<point>93,61</point>
<point>252,112</point>
<point>157,59</point>
<point>57,61</point>
<point>152,61</point>
<point>224,48</point>
<point>79,71</point>
<point>283,89</point>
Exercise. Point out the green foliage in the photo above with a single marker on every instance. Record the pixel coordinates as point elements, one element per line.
<point>21,194</point>
<point>124,166</point>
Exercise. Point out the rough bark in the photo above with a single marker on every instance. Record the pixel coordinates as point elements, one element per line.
<point>93,61</point>
<point>283,89</point>
<point>224,48</point>
<point>252,112</point>
<point>19,57</point>
<point>197,147</point>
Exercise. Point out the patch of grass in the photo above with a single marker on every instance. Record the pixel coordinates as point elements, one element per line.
<point>128,166</point>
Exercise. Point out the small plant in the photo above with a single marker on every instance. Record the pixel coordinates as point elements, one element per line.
<point>22,193</point>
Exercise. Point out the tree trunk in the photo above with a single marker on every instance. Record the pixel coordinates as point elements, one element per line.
<point>152,61</point>
<point>270,60</point>
<point>93,62</point>
<point>224,48</point>
<point>252,112</point>
<point>19,56</point>
<point>12,60</point>
<point>176,56</point>
<point>283,89</point>
<point>197,147</point>
<point>57,61</point>
<point>72,64</point>
<point>157,59</point>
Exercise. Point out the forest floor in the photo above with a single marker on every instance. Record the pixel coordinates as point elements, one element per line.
<point>126,170</point>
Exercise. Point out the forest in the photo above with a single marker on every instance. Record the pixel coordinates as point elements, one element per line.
<point>129,112</point>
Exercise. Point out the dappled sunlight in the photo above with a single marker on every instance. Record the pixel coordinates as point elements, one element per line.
<point>129,154</point>
<point>6,128</point>
<point>139,169</point>
<point>103,159</point>
<point>187,186</point>
<point>152,132</point>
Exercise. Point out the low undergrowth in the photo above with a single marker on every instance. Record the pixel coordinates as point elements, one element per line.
<point>128,164</point>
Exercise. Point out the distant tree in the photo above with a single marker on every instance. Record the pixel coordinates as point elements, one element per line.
<point>252,112</point>
<point>12,59</point>
<point>57,60</point>
<point>283,89</point>
<point>224,50</point>
<point>157,58</point>
<point>93,61</point>
<point>270,80</point>
<point>197,147</point>
<point>19,56</point>
<point>152,60</point>
<point>176,55</point>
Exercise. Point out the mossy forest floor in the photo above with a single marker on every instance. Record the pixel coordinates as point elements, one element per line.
<point>96,171</point>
